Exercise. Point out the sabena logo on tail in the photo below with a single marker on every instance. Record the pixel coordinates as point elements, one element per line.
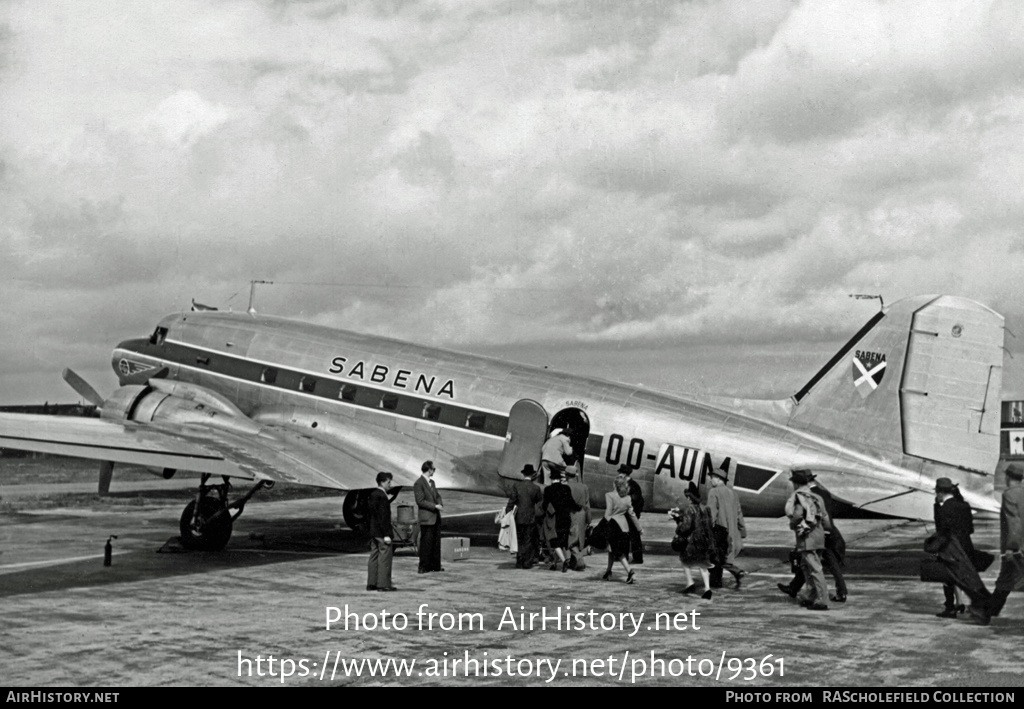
<point>868,371</point>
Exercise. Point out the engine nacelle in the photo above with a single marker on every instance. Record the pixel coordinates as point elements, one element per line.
<point>121,404</point>
<point>356,509</point>
<point>177,403</point>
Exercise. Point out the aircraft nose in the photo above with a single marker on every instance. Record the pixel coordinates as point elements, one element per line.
<point>119,358</point>
<point>116,357</point>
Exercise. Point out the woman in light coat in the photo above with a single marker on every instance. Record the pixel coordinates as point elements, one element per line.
<point>618,510</point>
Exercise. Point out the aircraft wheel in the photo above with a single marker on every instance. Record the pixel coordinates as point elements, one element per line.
<point>356,510</point>
<point>208,534</point>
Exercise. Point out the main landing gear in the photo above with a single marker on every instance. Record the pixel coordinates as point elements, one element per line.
<point>356,508</point>
<point>207,521</point>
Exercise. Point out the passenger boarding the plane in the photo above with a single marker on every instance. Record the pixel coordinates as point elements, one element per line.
<point>559,506</point>
<point>524,498</point>
<point>555,454</point>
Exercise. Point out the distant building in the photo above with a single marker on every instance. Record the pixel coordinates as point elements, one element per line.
<point>1011,437</point>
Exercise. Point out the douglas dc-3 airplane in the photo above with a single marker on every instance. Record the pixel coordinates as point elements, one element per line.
<point>913,396</point>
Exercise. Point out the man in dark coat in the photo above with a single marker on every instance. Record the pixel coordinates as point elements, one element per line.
<point>636,544</point>
<point>559,505</point>
<point>524,498</point>
<point>428,500</point>
<point>378,569</point>
<point>1011,539</point>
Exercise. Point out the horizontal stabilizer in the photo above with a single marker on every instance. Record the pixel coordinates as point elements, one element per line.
<point>893,500</point>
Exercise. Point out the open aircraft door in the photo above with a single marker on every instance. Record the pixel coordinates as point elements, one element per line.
<point>527,431</point>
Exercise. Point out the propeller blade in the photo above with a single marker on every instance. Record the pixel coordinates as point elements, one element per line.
<point>106,474</point>
<point>82,387</point>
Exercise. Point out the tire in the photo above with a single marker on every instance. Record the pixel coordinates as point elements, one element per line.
<point>356,509</point>
<point>210,536</point>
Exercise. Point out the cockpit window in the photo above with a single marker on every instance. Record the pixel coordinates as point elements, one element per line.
<point>158,336</point>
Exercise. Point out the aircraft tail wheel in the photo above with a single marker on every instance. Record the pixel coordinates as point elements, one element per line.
<point>206,533</point>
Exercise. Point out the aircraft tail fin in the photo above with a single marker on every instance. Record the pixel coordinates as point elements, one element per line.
<point>922,378</point>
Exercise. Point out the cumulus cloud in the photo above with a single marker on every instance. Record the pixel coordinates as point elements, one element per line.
<point>557,175</point>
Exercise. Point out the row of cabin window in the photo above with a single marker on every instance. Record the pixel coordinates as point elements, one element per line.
<point>388,402</point>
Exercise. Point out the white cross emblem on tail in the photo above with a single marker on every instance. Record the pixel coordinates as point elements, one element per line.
<point>867,380</point>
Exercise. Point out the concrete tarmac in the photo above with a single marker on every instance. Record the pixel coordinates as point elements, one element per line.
<point>216,619</point>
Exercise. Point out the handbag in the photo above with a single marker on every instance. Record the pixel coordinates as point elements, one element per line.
<point>982,560</point>
<point>680,539</point>
<point>794,561</point>
<point>935,543</point>
<point>934,571</point>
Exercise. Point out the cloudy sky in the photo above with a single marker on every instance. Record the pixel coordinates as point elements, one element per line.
<point>681,194</point>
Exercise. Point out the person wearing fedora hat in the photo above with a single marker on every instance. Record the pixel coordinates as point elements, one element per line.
<point>1011,539</point>
<point>524,498</point>
<point>555,454</point>
<point>952,546</point>
<point>636,496</point>
<point>730,528</point>
<point>580,519</point>
<point>832,556</point>
<point>558,508</point>
<point>695,538</point>
<point>953,518</point>
<point>809,519</point>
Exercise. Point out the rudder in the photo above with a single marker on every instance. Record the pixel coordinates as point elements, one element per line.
<point>921,379</point>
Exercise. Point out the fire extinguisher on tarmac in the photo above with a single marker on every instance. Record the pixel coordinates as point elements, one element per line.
<point>108,550</point>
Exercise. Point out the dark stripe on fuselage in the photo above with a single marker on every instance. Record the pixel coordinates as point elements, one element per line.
<point>322,386</point>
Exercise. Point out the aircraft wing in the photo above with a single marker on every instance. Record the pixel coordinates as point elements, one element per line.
<point>277,453</point>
